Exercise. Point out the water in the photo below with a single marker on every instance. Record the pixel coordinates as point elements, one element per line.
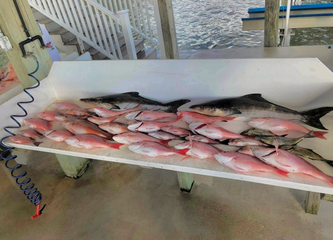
<point>206,24</point>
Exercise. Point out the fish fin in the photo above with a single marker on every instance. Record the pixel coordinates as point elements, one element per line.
<point>235,111</point>
<point>276,144</point>
<point>225,119</point>
<point>165,142</point>
<point>319,134</point>
<point>132,93</point>
<point>182,151</point>
<point>282,173</point>
<point>37,143</point>
<point>176,104</point>
<point>184,158</point>
<point>329,162</point>
<point>115,145</point>
<point>309,135</point>
<point>312,117</point>
<point>256,97</point>
<point>225,142</point>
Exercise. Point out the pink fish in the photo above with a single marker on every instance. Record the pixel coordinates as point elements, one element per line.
<point>153,149</point>
<point>58,135</point>
<point>176,131</point>
<point>163,135</point>
<point>241,142</point>
<point>134,137</point>
<point>281,126</point>
<point>37,124</point>
<point>84,127</point>
<point>63,106</point>
<point>48,115</point>
<point>63,118</point>
<point>77,112</point>
<point>244,164</point>
<point>202,139</point>
<point>114,128</point>
<point>213,132</point>
<point>89,141</point>
<point>23,140</point>
<point>191,117</point>
<point>246,150</point>
<point>30,133</point>
<point>101,120</point>
<point>150,126</point>
<point>198,149</point>
<point>289,162</point>
<point>149,115</point>
<point>102,112</point>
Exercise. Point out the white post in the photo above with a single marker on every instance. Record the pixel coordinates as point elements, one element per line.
<point>160,38</point>
<point>286,30</point>
<point>127,31</point>
<point>81,45</point>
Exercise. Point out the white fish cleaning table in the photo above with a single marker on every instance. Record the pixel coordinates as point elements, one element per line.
<point>294,83</point>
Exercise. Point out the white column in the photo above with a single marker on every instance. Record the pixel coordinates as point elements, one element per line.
<point>127,31</point>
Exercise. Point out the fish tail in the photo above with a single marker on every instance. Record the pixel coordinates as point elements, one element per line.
<point>176,104</point>
<point>227,118</point>
<point>319,134</point>
<point>312,117</point>
<point>37,143</point>
<point>115,145</point>
<point>329,179</point>
<point>282,173</point>
<point>182,151</point>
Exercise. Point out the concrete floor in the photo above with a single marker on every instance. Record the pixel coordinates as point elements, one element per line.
<point>118,201</point>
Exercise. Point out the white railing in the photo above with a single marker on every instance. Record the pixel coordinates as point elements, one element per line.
<point>91,23</point>
<point>141,13</point>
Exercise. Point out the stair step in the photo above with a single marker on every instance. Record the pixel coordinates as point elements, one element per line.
<point>147,54</point>
<point>59,31</point>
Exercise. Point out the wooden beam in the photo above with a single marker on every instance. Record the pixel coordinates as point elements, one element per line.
<point>12,27</point>
<point>185,181</point>
<point>312,203</point>
<point>271,23</point>
<point>166,29</point>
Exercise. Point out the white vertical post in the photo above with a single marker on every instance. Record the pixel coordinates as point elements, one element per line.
<point>286,30</point>
<point>127,31</point>
<point>159,29</point>
<point>81,45</point>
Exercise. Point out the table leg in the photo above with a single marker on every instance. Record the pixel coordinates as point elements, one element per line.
<point>185,181</point>
<point>73,167</point>
<point>312,203</point>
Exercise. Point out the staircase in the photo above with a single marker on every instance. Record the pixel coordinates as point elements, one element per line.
<point>100,39</point>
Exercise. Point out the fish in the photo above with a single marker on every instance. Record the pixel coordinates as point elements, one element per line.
<point>37,124</point>
<point>163,135</point>
<point>76,112</point>
<point>149,115</point>
<point>255,106</point>
<point>283,141</point>
<point>190,117</point>
<point>289,162</point>
<point>113,101</point>
<point>84,127</point>
<point>63,106</point>
<point>245,164</point>
<point>48,115</point>
<point>24,140</point>
<point>134,137</point>
<point>176,131</point>
<point>198,149</point>
<point>90,141</point>
<point>241,142</point>
<point>102,112</point>
<point>30,133</point>
<point>101,120</point>
<point>58,135</point>
<point>281,126</point>
<point>153,149</point>
<point>213,132</point>
<point>114,128</point>
<point>63,118</point>
<point>306,153</point>
<point>256,132</point>
<point>246,150</point>
<point>202,139</point>
<point>150,126</point>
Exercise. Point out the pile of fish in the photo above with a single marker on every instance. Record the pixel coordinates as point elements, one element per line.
<point>147,127</point>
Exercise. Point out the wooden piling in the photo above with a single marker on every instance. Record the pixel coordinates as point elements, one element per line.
<point>185,181</point>
<point>312,203</point>
<point>271,30</point>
